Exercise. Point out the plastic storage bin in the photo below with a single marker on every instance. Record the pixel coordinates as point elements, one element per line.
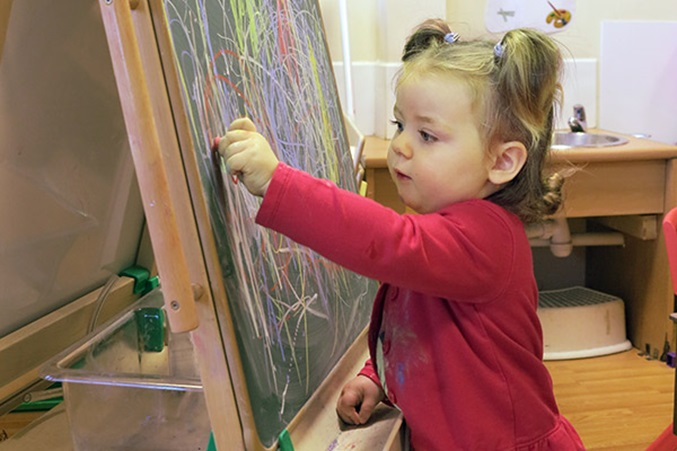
<point>133,385</point>
<point>579,322</point>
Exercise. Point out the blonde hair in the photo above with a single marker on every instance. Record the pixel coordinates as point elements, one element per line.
<point>515,91</point>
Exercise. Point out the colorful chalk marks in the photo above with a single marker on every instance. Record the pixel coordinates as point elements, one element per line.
<point>295,313</point>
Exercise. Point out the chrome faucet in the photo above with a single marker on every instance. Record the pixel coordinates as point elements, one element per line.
<point>577,122</point>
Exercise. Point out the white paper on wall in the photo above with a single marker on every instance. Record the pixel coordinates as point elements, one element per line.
<point>549,16</point>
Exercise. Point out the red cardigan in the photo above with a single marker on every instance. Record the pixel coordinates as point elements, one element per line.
<point>455,315</point>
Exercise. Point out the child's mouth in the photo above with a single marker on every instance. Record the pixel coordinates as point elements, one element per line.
<point>402,176</point>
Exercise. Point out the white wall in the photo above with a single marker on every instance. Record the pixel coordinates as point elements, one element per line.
<point>583,37</point>
<point>378,28</point>
<point>377,32</point>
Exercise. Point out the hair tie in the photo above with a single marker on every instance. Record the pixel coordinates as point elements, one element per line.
<point>498,50</point>
<point>451,37</point>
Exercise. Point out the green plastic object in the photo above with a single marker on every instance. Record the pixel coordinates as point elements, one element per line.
<point>140,275</point>
<point>212,444</point>
<point>38,406</point>
<point>152,284</point>
<point>284,441</point>
<point>150,323</point>
<point>41,403</point>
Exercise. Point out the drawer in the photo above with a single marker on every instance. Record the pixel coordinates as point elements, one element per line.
<point>615,188</point>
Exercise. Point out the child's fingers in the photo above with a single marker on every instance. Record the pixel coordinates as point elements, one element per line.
<point>239,130</point>
<point>243,123</point>
<point>236,147</point>
<point>232,142</point>
<point>348,405</point>
<point>235,162</point>
<point>348,414</point>
<point>366,409</point>
<point>353,417</point>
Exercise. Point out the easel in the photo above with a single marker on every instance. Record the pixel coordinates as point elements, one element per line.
<point>167,207</point>
<point>185,256</point>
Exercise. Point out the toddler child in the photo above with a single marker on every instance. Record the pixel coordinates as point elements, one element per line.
<point>454,339</point>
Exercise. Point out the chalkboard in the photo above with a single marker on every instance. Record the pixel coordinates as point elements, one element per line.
<point>295,313</point>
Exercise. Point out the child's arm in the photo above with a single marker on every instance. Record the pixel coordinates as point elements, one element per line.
<point>248,155</point>
<point>451,254</point>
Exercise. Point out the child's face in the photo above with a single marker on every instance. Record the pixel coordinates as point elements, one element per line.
<point>436,157</point>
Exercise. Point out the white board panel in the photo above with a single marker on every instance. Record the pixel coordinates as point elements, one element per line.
<point>638,78</point>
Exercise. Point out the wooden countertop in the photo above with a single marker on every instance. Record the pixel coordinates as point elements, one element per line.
<point>375,151</point>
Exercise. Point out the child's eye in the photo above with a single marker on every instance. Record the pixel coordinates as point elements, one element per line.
<point>397,125</point>
<point>427,137</point>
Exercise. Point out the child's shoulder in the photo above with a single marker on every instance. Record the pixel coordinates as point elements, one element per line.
<point>480,209</point>
<point>483,220</point>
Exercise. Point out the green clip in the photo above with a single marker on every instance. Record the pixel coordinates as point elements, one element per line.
<point>152,284</point>
<point>140,276</point>
<point>284,441</point>
<point>150,322</point>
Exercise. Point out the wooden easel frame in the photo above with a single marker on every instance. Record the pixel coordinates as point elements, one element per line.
<point>185,250</point>
<point>157,158</point>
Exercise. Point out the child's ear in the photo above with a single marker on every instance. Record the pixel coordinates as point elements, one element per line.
<point>509,158</point>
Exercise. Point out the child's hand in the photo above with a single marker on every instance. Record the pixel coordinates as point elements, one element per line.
<point>358,399</point>
<point>248,155</point>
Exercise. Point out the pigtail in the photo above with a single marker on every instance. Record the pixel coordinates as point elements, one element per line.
<point>529,69</point>
<point>552,198</point>
<point>429,33</point>
<point>528,91</point>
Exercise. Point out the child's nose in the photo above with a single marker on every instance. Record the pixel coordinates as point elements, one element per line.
<point>401,146</point>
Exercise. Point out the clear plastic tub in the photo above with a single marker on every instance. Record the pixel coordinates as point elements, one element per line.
<point>133,384</point>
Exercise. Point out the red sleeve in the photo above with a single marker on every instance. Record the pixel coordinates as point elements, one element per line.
<point>369,371</point>
<point>464,252</point>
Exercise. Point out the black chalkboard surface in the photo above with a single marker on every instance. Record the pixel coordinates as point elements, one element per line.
<point>295,313</point>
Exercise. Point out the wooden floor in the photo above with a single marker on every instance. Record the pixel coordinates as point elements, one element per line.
<point>620,402</point>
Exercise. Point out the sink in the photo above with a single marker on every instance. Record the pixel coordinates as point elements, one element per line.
<point>562,140</point>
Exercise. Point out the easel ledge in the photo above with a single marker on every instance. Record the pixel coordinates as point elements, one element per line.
<point>319,427</point>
